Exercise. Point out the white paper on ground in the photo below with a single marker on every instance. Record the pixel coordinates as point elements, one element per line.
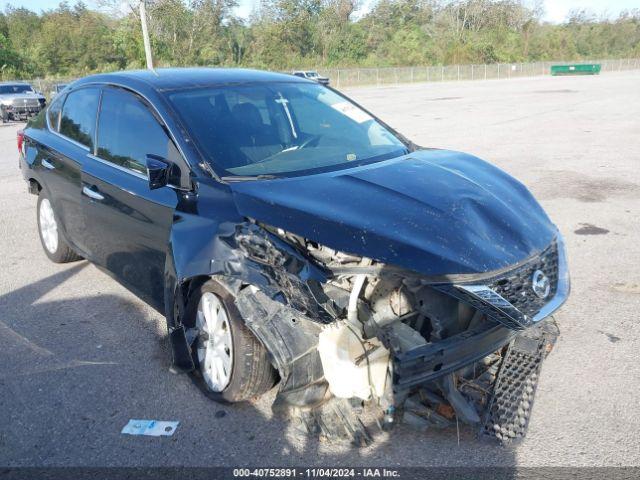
<point>153,428</point>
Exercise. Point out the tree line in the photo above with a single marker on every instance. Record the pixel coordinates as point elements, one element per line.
<point>73,40</point>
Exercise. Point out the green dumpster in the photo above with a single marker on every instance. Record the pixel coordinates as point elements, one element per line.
<point>576,69</point>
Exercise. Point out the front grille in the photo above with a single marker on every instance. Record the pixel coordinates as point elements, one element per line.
<point>25,103</point>
<point>516,285</point>
<point>25,110</point>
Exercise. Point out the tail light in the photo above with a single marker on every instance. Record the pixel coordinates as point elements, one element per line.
<point>20,139</point>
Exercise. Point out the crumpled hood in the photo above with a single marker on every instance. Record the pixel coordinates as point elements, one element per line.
<point>435,212</point>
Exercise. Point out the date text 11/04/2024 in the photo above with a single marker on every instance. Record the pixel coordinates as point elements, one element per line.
<point>316,472</point>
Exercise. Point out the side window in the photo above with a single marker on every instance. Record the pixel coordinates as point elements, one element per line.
<point>128,131</point>
<point>78,120</point>
<point>53,113</point>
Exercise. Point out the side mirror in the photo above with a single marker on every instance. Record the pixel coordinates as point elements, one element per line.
<point>157,171</point>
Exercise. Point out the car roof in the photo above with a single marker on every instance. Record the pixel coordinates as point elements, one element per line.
<point>163,79</point>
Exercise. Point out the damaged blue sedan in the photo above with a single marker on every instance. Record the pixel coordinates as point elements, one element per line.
<point>293,239</point>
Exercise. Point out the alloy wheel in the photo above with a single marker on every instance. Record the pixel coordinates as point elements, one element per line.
<point>215,347</point>
<point>48,226</point>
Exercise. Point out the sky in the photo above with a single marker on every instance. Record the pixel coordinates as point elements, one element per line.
<point>555,10</point>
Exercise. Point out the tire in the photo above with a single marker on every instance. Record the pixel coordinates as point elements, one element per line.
<point>251,373</point>
<point>53,243</point>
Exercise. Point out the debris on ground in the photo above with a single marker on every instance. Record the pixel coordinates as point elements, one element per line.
<point>151,428</point>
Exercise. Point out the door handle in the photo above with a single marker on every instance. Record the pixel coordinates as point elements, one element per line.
<point>89,192</point>
<point>47,164</point>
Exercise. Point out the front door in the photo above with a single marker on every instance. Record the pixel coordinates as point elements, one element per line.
<point>128,224</point>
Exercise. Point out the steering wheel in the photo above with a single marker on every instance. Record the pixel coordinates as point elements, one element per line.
<point>304,144</point>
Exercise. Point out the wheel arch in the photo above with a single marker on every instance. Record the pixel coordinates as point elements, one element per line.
<point>240,254</point>
<point>34,186</point>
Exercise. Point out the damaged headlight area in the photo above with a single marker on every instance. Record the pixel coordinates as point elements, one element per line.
<point>374,341</point>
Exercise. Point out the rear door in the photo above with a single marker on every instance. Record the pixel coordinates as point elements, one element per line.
<point>72,121</point>
<point>128,224</point>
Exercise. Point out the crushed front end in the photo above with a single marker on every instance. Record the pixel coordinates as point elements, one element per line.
<point>426,351</point>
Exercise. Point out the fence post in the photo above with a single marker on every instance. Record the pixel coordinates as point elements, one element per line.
<point>458,72</point>
<point>395,74</point>
<point>338,78</point>
<point>442,73</point>
<point>411,74</point>
<point>428,74</point>
<point>472,71</point>
<point>498,71</point>
<point>377,76</point>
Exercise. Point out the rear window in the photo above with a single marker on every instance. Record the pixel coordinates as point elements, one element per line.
<point>78,121</point>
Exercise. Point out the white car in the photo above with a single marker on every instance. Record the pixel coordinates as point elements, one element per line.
<point>19,101</point>
<point>311,75</point>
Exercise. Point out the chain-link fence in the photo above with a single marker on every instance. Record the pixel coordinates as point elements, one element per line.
<point>349,77</point>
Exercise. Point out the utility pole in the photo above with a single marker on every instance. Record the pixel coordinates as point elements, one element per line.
<point>145,34</point>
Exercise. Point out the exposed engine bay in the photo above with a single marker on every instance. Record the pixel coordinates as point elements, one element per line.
<point>396,343</point>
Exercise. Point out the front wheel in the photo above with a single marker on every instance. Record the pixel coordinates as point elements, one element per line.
<point>232,364</point>
<point>54,245</point>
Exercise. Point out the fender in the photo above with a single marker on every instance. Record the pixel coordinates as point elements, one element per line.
<point>238,253</point>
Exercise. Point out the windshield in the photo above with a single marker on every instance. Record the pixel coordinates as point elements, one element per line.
<point>312,74</point>
<point>5,89</point>
<point>282,128</point>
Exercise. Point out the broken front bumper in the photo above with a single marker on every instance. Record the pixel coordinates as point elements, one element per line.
<point>432,361</point>
<point>469,359</point>
<point>429,362</point>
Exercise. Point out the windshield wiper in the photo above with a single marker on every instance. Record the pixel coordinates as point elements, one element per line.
<point>243,178</point>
